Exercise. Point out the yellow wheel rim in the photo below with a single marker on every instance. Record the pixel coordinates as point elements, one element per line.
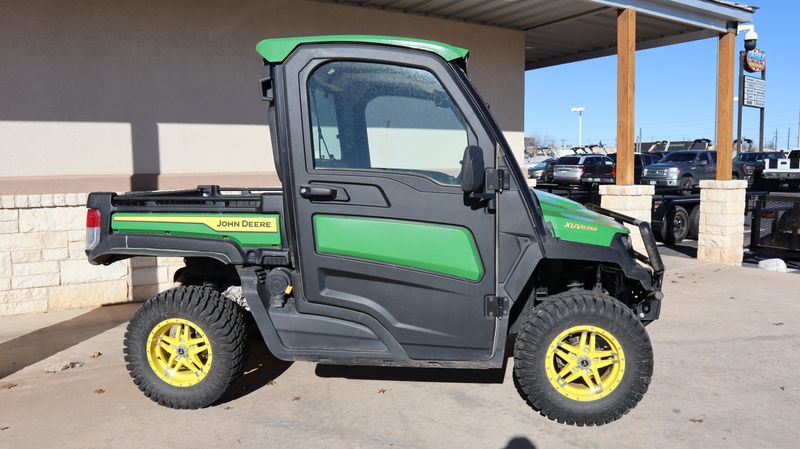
<point>179,352</point>
<point>585,363</point>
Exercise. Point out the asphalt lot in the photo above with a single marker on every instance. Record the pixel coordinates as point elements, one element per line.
<point>725,375</point>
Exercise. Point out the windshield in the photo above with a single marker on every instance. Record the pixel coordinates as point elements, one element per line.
<point>540,165</point>
<point>679,157</point>
<point>774,155</point>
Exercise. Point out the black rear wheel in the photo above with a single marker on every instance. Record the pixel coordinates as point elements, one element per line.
<point>583,358</point>
<point>694,223</point>
<point>675,225</point>
<point>186,346</point>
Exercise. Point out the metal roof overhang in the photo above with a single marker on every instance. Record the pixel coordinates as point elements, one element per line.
<point>562,31</point>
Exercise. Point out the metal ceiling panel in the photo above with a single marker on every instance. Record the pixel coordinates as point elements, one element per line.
<point>561,31</point>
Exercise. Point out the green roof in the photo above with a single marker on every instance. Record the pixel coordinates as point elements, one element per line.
<point>276,50</point>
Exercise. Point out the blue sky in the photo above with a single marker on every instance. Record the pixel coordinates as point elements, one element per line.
<point>675,88</point>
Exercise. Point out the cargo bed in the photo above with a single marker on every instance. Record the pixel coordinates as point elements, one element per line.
<point>232,225</point>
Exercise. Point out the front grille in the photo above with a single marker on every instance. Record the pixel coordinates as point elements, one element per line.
<point>657,172</point>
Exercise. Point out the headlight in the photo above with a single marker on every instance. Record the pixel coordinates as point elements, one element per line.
<point>626,241</point>
<point>674,170</point>
<point>644,172</point>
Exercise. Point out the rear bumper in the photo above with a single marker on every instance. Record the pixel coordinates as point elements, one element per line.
<point>597,179</point>
<point>567,179</point>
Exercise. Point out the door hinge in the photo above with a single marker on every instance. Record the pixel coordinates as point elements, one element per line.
<point>496,306</point>
<point>497,180</point>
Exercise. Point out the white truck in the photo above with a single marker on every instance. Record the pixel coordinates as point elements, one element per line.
<point>783,171</point>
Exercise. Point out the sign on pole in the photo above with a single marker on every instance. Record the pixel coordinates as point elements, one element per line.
<point>754,92</point>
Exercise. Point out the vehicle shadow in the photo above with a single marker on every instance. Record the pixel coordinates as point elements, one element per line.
<point>686,250</point>
<point>520,443</point>
<point>260,368</point>
<point>40,344</point>
<point>438,375</point>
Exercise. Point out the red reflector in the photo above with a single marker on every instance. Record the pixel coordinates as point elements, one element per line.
<point>92,218</point>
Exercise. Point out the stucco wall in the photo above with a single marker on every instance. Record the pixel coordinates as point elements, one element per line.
<point>106,95</point>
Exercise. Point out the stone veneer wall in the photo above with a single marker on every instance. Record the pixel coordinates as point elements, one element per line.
<point>633,200</point>
<point>43,265</point>
<point>722,205</point>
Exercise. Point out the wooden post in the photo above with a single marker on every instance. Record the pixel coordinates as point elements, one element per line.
<point>725,69</point>
<point>626,76</point>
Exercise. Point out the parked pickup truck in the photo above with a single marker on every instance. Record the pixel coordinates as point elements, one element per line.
<point>681,170</point>
<point>639,162</point>
<point>750,166</point>
<point>780,171</point>
<point>414,245</point>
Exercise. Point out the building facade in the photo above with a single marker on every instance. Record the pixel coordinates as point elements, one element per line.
<point>120,96</point>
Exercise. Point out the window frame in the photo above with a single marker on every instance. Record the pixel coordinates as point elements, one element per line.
<point>441,71</point>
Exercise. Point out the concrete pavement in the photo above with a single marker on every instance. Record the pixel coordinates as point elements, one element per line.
<point>725,376</point>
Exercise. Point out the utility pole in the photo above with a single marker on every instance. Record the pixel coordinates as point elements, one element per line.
<point>639,144</point>
<point>788,137</point>
<point>776,139</point>
<point>798,128</point>
<point>562,143</point>
<point>579,110</point>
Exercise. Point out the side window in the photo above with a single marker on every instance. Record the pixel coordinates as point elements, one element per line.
<point>377,116</point>
<point>703,157</point>
<point>608,161</point>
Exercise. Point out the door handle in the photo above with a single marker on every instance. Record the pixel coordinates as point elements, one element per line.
<point>317,193</point>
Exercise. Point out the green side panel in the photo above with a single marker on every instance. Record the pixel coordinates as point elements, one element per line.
<point>165,227</point>
<point>442,249</point>
<point>575,223</point>
<point>276,50</point>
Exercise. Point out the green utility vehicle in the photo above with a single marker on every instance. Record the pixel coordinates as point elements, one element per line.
<point>404,236</point>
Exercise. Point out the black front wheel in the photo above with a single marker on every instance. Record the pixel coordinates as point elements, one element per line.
<point>583,358</point>
<point>686,185</point>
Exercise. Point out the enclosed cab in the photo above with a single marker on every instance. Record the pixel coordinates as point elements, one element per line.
<point>404,235</point>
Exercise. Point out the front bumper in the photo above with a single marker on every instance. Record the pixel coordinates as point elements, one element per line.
<point>650,308</point>
<point>781,175</point>
<point>660,182</point>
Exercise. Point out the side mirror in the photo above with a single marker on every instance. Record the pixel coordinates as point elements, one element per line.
<point>472,170</point>
<point>703,162</point>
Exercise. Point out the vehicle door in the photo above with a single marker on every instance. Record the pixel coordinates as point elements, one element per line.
<point>705,169</point>
<point>382,226</point>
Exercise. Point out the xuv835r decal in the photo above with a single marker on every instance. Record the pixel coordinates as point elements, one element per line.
<point>245,229</point>
<point>437,248</point>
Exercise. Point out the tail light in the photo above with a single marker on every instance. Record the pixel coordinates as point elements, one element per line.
<point>93,220</point>
<point>614,170</point>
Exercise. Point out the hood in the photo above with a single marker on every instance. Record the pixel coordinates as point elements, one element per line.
<point>572,222</point>
<point>665,165</point>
